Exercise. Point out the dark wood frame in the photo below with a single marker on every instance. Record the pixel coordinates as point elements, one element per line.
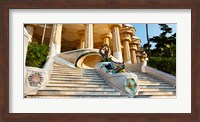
<point>5,5</point>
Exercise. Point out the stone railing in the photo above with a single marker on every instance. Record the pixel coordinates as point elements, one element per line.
<point>37,78</point>
<point>119,81</point>
<point>161,75</point>
<point>158,74</point>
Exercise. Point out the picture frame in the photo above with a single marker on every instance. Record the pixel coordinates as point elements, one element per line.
<point>194,5</point>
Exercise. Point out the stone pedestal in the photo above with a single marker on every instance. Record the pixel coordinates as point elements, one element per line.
<point>89,36</point>
<point>117,52</point>
<point>81,33</point>
<point>55,40</point>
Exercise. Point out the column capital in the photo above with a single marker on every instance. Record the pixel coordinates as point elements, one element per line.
<point>115,25</point>
<point>126,34</point>
<point>133,47</point>
<point>106,35</point>
<point>135,40</point>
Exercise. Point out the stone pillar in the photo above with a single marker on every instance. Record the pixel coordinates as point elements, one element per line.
<point>139,49</point>
<point>139,55</point>
<point>89,36</point>
<point>81,33</point>
<point>117,52</point>
<point>106,38</point>
<point>30,30</point>
<point>133,49</point>
<point>55,40</point>
<point>126,33</point>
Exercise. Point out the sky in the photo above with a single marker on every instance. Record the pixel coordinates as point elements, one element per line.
<point>153,29</point>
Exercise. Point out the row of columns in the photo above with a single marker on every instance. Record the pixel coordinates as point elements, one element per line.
<point>129,44</point>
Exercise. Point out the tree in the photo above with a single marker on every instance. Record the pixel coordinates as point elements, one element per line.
<point>165,46</point>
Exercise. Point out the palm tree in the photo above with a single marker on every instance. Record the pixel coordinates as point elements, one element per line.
<point>148,42</point>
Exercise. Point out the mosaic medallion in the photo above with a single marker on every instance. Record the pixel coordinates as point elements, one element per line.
<point>35,79</point>
<point>130,85</point>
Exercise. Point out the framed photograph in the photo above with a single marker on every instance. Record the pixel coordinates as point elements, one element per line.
<point>69,18</point>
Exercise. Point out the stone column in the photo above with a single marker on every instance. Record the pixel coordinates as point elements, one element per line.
<point>138,55</point>
<point>133,49</point>
<point>30,30</point>
<point>139,49</point>
<point>81,33</point>
<point>89,36</point>
<point>117,52</point>
<point>106,38</point>
<point>55,40</point>
<point>126,33</point>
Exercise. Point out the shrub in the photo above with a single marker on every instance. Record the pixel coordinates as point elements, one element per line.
<point>36,54</point>
<point>167,65</point>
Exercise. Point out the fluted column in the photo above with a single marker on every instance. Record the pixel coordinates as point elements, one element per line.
<point>133,48</point>
<point>139,54</point>
<point>81,33</point>
<point>89,36</point>
<point>106,38</point>
<point>117,52</point>
<point>126,33</point>
<point>30,30</point>
<point>137,42</point>
<point>55,40</point>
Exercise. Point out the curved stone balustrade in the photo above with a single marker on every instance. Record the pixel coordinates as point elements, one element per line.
<point>84,58</point>
<point>125,82</point>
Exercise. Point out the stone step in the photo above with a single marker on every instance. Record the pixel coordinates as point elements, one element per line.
<point>79,89</point>
<point>147,81</point>
<point>159,87</point>
<point>75,78</point>
<point>78,85</point>
<point>150,96</point>
<point>156,93</point>
<point>61,93</point>
<point>150,80</point>
<point>73,69</point>
<point>74,74</point>
<point>156,89</point>
<point>154,84</point>
<point>76,82</point>
<point>80,77</point>
<point>70,79</point>
<point>78,96</point>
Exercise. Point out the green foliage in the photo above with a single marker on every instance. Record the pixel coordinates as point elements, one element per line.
<point>36,54</point>
<point>165,46</point>
<point>164,64</point>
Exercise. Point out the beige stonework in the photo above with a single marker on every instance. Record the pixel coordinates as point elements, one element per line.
<point>89,36</point>
<point>81,33</point>
<point>30,30</point>
<point>55,40</point>
<point>106,38</point>
<point>117,52</point>
<point>126,33</point>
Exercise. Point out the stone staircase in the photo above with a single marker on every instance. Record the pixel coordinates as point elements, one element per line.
<point>67,82</point>
<point>151,87</point>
